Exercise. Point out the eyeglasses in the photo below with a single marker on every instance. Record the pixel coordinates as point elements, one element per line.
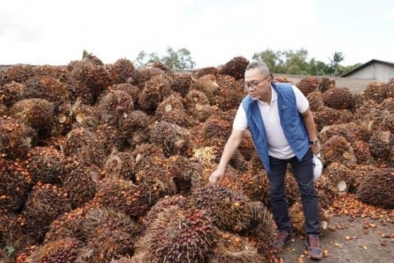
<point>255,84</point>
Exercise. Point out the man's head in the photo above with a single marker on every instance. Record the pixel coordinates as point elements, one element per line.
<point>258,80</point>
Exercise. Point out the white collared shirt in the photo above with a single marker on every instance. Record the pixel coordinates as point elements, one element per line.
<point>278,146</point>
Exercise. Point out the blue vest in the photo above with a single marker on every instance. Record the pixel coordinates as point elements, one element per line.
<point>290,119</point>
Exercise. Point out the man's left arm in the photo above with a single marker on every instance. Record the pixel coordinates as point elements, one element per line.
<point>311,129</point>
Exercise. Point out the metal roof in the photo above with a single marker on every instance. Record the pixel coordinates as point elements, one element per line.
<point>366,64</point>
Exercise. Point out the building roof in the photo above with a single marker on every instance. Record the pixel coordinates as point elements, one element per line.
<point>367,64</point>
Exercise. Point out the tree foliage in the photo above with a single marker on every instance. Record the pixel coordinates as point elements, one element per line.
<point>296,63</point>
<point>176,60</point>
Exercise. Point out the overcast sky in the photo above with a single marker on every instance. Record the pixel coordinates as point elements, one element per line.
<point>214,31</point>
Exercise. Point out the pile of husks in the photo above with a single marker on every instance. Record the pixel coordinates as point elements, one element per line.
<point>109,163</point>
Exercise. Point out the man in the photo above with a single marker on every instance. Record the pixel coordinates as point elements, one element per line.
<point>283,131</point>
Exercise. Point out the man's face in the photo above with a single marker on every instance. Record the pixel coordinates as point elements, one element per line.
<point>256,84</point>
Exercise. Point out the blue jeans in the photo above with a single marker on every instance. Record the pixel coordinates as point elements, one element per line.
<point>303,172</point>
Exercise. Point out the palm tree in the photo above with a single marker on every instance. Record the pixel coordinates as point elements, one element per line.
<point>336,59</point>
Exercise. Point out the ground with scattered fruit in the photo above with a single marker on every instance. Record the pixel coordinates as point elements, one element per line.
<point>357,234</point>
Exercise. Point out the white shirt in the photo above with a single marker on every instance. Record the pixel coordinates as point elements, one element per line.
<point>278,146</point>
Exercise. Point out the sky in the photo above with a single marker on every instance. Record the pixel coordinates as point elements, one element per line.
<point>213,31</point>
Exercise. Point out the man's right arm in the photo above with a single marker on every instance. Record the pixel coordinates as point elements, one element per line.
<point>229,149</point>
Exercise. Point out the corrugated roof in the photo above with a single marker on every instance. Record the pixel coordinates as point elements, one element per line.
<point>366,64</point>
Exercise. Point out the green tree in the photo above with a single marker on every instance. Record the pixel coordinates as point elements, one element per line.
<point>296,62</point>
<point>84,54</point>
<point>273,60</point>
<point>177,60</point>
<point>337,58</point>
<point>144,58</point>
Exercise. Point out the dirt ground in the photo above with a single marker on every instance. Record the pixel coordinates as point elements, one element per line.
<point>348,239</point>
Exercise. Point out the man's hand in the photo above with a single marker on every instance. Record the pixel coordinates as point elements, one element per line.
<point>215,177</point>
<point>315,148</point>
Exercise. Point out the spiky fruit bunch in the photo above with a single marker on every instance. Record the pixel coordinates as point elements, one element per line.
<point>16,138</point>
<point>186,173</point>
<point>178,235</point>
<point>173,138</point>
<point>381,146</point>
<point>45,87</point>
<point>389,88</point>
<point>231,93</point>
<point>136,128</point>
<point>94,77</point>
<point>155,91</point>
<point>377,188</point>
<point>232,179</point>
<point>109,234</point>
<point>146,73</point>
<point>80,183</point>
<point>37,113</point>
<point>121,195</point>
<point>326,116</point>
<point>111,138</point>
<point>93,59</point>
<point>11,93</point>
<point>262,225</point>
<point>281,79</point>
<point>46,165</point>
<point>146,155</point>
<point>3,110</point>
<point>338,98</point>
<point>60,73</point>
<point>215,127</point>
<point>340,176</point>
<point>298,219</point>
<point>182,83</point>
<point>163,67</point>
<point>12,238</point>
<point>119,165</point>
<point>114,107</point>
<point>208,85</point>
<point>44,204</point>
<point>15,184</point>
<point>352,132</point>
<point>325,191</point>
<point>232,248</point>
<point>338,149</point>
<point>197,104</point>
<point>67,225</point>
<point>172,110</point>
<point>229,209</point>
<point>315,100</point>
<point>129,88</point>
<point>177,201</point>
<point>62,250</point>
<point>346,115</point>
<point>198,73</point>
<point>362,152</point>
<point>155,183</point>
<point>123,71</point>
<point>325,84</point>
<point>375,91</point>
<point>363,112</point>
<point>85,145</point>
<point>308,84</point>
<point>69,116</point>
<point>18,73</point>
<point>235,67</point>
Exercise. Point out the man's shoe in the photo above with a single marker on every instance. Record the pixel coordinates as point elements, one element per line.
<point>281,240</point>
<point>312,242</point>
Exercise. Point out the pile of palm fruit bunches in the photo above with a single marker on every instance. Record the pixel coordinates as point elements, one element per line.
<point>110,163</point>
